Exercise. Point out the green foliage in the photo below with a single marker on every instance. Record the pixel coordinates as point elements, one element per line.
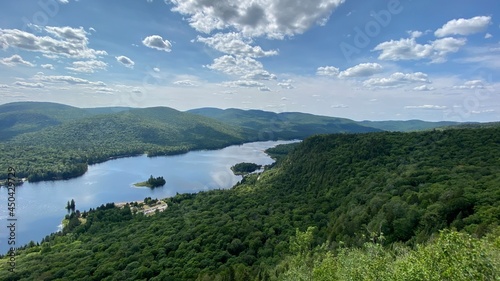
<point>452,256</point>
<point>155,182</point>
<point>407,126</point>
<point>245,168</point>
<point>66,150</point>
<point>393,190</point>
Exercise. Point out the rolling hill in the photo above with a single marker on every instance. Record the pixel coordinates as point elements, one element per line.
<point>288,125</point>
<point>53,141</point>
<point>65,150</point>
<point>407,126</point>
<point>24,117</point>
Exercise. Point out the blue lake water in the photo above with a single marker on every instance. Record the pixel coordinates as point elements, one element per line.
<point>40,207</point>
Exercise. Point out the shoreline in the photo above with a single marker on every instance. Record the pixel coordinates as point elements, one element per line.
<point>151,156</point>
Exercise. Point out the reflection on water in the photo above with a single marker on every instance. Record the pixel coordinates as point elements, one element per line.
<point>40,206</point>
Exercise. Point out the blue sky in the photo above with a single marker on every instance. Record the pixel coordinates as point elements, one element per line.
<point>375,60</point>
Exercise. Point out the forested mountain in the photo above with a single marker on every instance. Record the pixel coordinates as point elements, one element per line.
<point>65,150</point>
<point>407,126</point>
<point>394,189</point>
<point>287,125</point>
<point>23,117</point>
<point>46,141</point>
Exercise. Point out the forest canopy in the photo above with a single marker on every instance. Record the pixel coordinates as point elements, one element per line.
<point>395,191</point>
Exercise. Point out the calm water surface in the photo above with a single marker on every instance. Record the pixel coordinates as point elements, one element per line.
<point>40,206</point>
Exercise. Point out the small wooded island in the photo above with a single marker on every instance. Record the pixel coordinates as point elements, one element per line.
<point>152,182</point>
<point>245,168</point>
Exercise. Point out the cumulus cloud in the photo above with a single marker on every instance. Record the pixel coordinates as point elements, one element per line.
<point>15,60</point>
<point>3,86</point>
<point>361,70</point>
<point>487,36</point>
<point>156,69</point>
<point>397,79</point>
<point>28,84</point>
<point>409,49</point>
<point>426,106</point>
<point>234,44</point>
<point>245,67</point>
<point>157,42</point>
<point>65,79</point>
<point>424,88</point>
<point>464,26</point>
<point>271,18</point>
<point>264,89</point>
<point>415,33</point>
<point>87,66</point>
<point>184,83</point>
<point>125,61</point>
<point>327,71</point>
<point>243,83</point>
<point>287,84</point>
<point>60,41</point>
<point>470,85</point>
<point>47,66</point>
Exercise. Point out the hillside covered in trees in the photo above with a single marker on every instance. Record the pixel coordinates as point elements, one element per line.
<point>49,141</point>
<point>335,207</point>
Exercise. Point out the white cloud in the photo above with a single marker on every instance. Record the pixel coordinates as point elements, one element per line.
<point>28,84</point>
<point>156,69</point>
<point>264,89</point>
<point>415,33</point>
<point>245,67</point>
<point>243,83</point>
<point>125,61</point>
<point>397,79</point>
<point>488,36</point>
<point>47,66</point>
<point>327,71</point>
<point>63,41</point>
<point>361,70</point>
<point>272,18</point>
<point>426,106</point>
<point>286,85</point>
<point>409,49</point>
<point>339,106</point>
<point>158,43</point>
<point>3,86</point>
<point>15,60</point>
<point>65,79</point>
<point>87,66</point>
<point>464,26</point>
<point>470,85</point>
<point>424,88</point>
<point>234,44</point>
<point>184,83</point>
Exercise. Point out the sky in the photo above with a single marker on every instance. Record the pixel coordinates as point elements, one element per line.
<point>363,60</point>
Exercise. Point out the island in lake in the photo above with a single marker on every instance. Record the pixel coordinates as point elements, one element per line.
<point>245,168</point>
<point>152,182</point>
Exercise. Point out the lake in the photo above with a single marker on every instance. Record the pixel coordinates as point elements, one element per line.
<point>40,207</point>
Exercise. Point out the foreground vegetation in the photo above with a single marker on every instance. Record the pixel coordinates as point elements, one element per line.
<point>448,256</point>
<point>396,191</point>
